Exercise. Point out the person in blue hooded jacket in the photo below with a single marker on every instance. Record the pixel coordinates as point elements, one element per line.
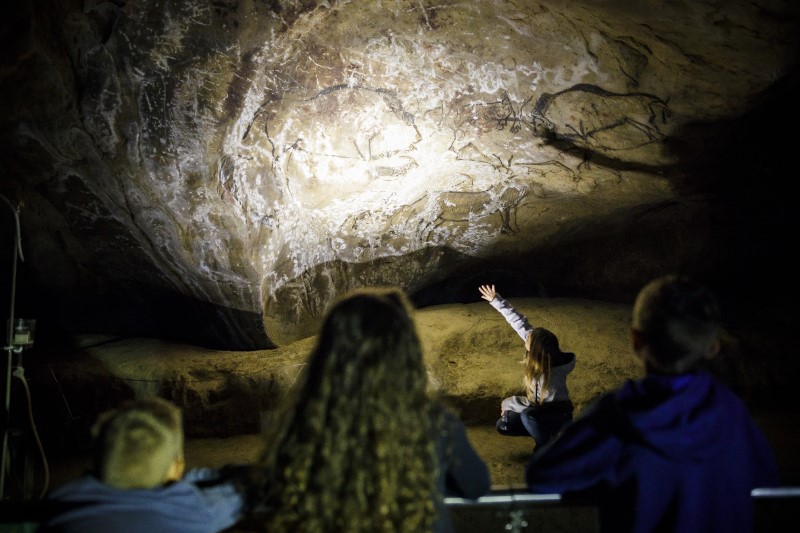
<point>138,483</point>
<point>675,451</point>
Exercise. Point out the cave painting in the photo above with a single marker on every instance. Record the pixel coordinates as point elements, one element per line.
<point>356,173</point>
<point>356,153</point>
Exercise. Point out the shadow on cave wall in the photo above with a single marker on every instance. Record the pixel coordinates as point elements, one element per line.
<point>745,165</point>
<point>733,177</point>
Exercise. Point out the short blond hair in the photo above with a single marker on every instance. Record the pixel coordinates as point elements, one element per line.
<point>137,443</point>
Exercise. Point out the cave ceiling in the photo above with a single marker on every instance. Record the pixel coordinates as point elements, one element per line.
<point>221,171</point>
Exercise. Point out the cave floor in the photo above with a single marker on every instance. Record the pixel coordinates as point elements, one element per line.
<point>472,356</point>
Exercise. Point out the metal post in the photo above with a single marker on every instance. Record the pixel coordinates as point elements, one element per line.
<point>10,349</point>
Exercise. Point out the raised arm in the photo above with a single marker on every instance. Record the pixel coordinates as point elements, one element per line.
<point>512,316</point>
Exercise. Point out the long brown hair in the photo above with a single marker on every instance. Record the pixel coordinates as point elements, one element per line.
<point>538,359</point>
<point>355,448</point>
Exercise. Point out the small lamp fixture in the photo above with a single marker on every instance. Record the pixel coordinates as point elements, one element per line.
<point>21,334</point>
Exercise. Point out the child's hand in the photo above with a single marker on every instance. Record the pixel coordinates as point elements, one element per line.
<point>487,292</point>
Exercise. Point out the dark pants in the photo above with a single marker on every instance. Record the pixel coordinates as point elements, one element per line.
<point>540,422</point>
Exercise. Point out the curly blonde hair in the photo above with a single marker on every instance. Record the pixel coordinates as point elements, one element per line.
<point>355,448</point>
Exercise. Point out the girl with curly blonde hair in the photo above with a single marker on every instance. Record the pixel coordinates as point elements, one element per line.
<point>361,446</point>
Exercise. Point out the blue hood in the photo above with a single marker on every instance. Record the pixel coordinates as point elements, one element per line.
<point>648,411</point>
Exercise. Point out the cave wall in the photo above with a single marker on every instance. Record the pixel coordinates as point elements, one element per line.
<point>219,173</point>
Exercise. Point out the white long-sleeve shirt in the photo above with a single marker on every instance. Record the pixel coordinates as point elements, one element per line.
<point>557,390</point>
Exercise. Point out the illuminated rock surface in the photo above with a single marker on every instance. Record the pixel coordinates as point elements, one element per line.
<point>217,173</point>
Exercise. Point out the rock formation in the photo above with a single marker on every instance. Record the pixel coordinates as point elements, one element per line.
<point>217,173</point>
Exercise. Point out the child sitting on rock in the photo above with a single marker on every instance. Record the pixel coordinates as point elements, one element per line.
<point>546,406</point>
